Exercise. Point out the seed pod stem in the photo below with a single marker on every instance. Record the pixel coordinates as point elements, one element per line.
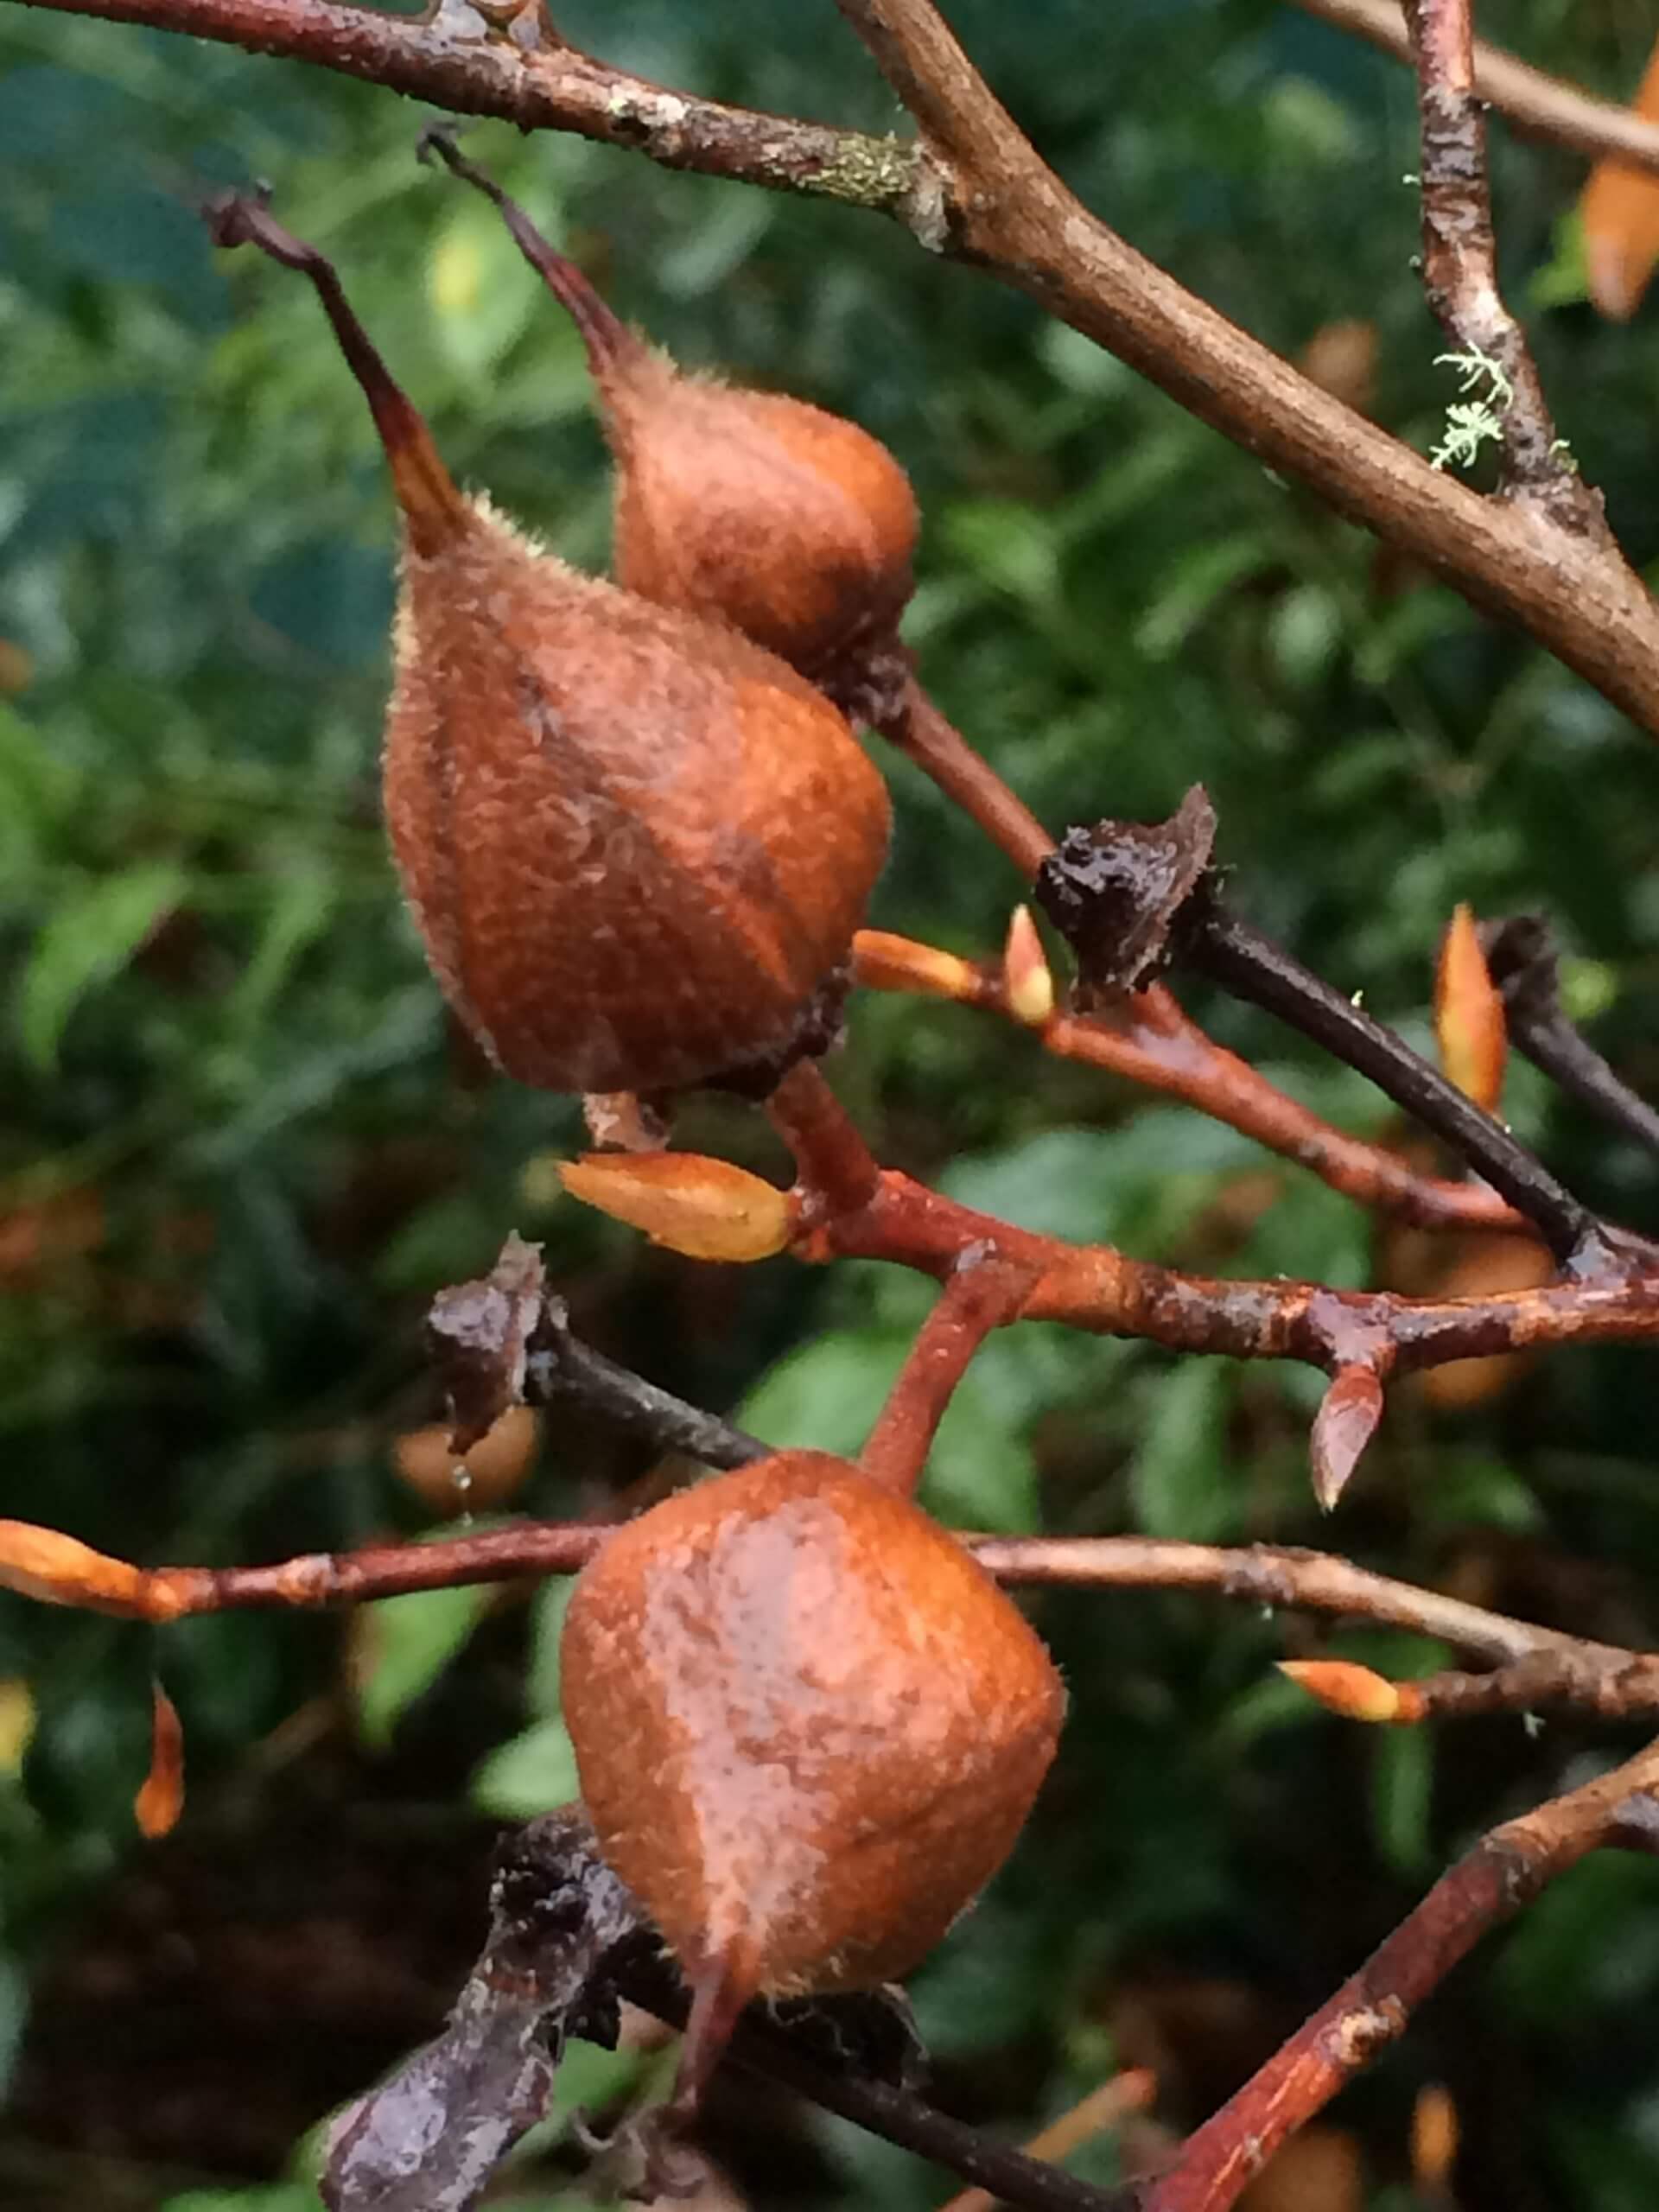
<point>432,504</point>
<point>606,336</point>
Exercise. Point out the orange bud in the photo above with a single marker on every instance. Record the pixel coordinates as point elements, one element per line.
<point>1028,979</point>
<point>1356,1692</point>
<point>484,1476</point>
<point>884,962</point>
<point>1468,1022</point>
<point>1433,2137</point>
<point>1619,210</point>
<point>61,1570</point>
<point>704,1208</point>
<point>158,1804</point>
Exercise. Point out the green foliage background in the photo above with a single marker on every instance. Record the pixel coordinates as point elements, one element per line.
<point>233,1123</point>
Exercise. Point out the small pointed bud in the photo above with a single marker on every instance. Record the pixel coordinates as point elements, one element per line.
<point>1027,977</point>
<point>1433,2139</point>
<point>158,1804</point>
<point>1619,213</point>
<point>1344,1425</point>
<point>60,1570</point>
<point>1356,1692</point>
<point>704,1208</point>
<point>882,962</point>
<point>1469,1021</point>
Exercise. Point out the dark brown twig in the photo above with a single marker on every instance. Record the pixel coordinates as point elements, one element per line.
<point>1130,897</point>
<point>1521,953</point>
<point>560,1367</point>
<point>1460,275</point>
<point>1251,966</point>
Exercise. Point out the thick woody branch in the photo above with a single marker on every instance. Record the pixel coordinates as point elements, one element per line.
<point>1490,1884</point>
<point>1010,212</point>
<point>1541,106</point>
<point>1461,274</point>
<point>977,189</point>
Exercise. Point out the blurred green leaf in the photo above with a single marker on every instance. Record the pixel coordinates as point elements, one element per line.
<point>409,1642</point>
<point>91,935</point>
<point>531,1774</point>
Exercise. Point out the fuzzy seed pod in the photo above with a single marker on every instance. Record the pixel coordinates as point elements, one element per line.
<point>637,846</point>
<point>792,525</point>
<point>809,1725</point>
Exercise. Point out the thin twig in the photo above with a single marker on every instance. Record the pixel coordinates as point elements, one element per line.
<point>1521,952</point>
<point>1491,1884</point>
<point>560,1367</point>
<point>1542,105</point>
<point>984,1291</point>
<point>1239,957</point>
<point>1150,1041</point>
<point>1460,276</point>
<point>1091,2116</point>
<point>1096,1287</point>
<point>837,1171</point>
<point>42,1564</point>
<point>922,732</point>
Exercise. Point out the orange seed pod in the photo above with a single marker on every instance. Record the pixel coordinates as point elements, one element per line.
<point>637,846</point>
<point>792,524</point>
<point>808,1728</point>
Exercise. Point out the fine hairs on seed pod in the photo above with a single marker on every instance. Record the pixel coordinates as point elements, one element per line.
<point>808,1728</point>
<point>636,844</point>
<point>792,525</point>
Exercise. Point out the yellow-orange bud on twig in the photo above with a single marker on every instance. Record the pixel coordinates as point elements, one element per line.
<point>1027,977</point>
<point>1356,1692</point>
<point>704,1208</point>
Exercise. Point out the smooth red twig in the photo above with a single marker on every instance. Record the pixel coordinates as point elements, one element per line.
<point>920,730</point>
<point>1489,1885</point>
<point>1153,1042</point>
<point>983,1291</point>
<point>836,1172</point>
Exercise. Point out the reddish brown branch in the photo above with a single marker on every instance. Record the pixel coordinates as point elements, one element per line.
<point>984,1291</point>
<point>940,749</point>
<point>836,1168</point>
<point>1096,1287</point>
<point>59,1571</point>
<point>1154,1043</point>
<point>1542,105</point>
<point>1461,274</point>
<point>1504,1872</point>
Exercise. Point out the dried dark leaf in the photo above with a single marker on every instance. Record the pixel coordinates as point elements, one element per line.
<point>1113,894</point>
<point>479,1333</point>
